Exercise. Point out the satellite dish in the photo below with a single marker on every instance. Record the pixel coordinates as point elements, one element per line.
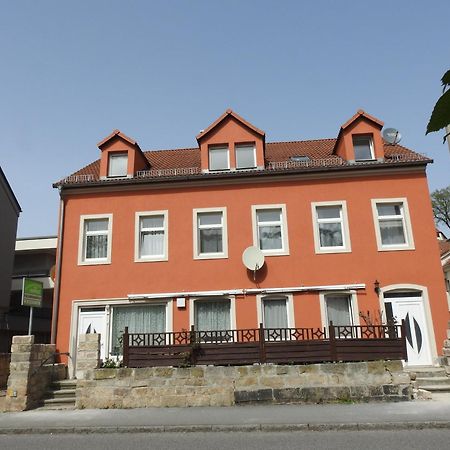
<point>391,136</point>
<point>253,258</point>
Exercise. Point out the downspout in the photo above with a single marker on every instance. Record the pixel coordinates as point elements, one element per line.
<point>55,308</point>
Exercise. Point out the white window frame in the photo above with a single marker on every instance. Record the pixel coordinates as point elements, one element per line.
<point>268,297</point>
<point>284,229</point>
<point>236,148</point>
<point>406,220</point>
<point>218,147</point>
<point>196,241</point>
<point>354,309</point>
<point>168,326</point>
<point>82,261</point>
<point>137,236</point>
<point>365,136</point>
<point>231,298</point>
<point>113,155</point>
<point>343,220</point>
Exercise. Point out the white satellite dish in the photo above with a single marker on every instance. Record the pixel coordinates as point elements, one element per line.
<point>253,258</point>
<point>392,136</point>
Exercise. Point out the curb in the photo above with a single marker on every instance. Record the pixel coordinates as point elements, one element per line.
<point>392,426</point>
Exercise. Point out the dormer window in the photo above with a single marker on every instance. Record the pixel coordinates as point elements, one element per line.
<point>219,158</point>
<point>118,165</point>
<point>363,148</point>
<point>245,156</point>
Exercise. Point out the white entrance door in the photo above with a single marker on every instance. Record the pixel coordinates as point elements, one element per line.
<point>412,311</point>
<point>94,322</point>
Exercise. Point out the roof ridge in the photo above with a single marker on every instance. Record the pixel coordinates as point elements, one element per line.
<point>304,140</point>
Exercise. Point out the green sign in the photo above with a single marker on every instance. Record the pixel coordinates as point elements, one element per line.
<point>32,293</point>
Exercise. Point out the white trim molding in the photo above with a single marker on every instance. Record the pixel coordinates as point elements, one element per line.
<point>342,220</point>
<point>406,222</point>
<point>196,241</point>
<point>137,236</point>
<point>82,261</point>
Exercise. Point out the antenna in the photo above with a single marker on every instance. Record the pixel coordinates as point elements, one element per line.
<point>392,136</point>
<point>253,259</point>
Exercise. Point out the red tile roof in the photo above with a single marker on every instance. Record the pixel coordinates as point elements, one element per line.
<point>186,161</point>
<point>444,247</point>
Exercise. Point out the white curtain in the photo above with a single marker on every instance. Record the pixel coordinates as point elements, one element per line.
<point>210,232</point>
<point>392,232</point>
<point>338,310</point>
<point>152,236</point>
<point>96,231</point>
<point>275,313</point>
<point>212,315</point>
<point>330,235</point>
<point>138,319</point>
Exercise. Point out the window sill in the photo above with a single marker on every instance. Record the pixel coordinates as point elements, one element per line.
<point>155,259</point>
<point>396,248</point>
<point>94,263</point>
<point>212,256</point>
<point>275,252</point>
<point>326,251</point>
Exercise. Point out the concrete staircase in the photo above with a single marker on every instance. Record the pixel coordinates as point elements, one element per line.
<point>432,379</point>
<point>61,395</point>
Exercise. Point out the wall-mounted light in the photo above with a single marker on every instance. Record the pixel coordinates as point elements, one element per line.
<point>376,287</point>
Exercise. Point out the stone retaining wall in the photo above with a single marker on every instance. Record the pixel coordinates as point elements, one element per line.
<point>31,372</point>
<point>226,386</point>
<point>4,369</point>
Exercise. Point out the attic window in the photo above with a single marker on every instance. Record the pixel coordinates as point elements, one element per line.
<point>219,158</point>
<point>245,156</point>
<point>117,164</point>
<point>363,148</point>
<point>299,158</point>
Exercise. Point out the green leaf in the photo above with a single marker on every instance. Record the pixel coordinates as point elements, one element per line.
<point>446,79</point>
<point>440,117</point>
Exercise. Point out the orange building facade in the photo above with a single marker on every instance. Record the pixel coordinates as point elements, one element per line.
<point>154,240</point>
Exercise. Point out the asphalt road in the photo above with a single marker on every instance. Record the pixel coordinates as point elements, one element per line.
<point>326,440</point>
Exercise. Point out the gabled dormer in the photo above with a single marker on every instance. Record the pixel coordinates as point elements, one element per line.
<point>359,139</point>
<point>231,144</point>
<point>121,156</point>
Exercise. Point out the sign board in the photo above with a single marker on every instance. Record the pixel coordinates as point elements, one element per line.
<point>32,293</point>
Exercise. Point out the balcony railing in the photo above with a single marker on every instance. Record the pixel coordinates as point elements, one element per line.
<point>264,345</point>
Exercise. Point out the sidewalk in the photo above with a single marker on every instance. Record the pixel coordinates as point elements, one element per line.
<point>368,416</point>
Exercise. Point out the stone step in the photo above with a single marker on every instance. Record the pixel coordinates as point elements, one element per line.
<point>61,393</point>
<point>428,372</point>
<point>64,384</point>
<point>433,381</point>
<point>438,388</point>
<point>59,401</point>
<point>64,406</point>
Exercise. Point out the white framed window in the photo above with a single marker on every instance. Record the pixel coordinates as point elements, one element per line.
<point>363,147</point>
<point>275,311</point>
<point>341,308</point>
<point>210,233</point>
<point>117,164</point>
<point>213,314</point>
<point>151,236</point>
<point>219,158</point>
<point>245,156</point>
<point>392,224</point>
<point>94,245</point>
<point>270,229</point>
<point>148,318</point>
<point>330,225</point>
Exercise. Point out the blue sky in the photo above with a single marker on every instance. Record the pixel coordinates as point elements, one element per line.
<point>160,71</point>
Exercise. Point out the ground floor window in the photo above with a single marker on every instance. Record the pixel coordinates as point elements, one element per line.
<point>339,309</point>
<point>212,315</point>
<point>138,319</point>
<point>275,312</point>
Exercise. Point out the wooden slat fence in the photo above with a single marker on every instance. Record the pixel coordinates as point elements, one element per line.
<point>261,345</point>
